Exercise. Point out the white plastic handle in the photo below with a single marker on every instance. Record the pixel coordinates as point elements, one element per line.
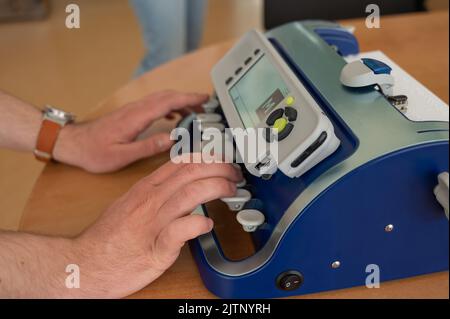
<point>357,74</point>
<point>441,191</point>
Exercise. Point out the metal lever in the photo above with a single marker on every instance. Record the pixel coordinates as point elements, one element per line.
<point>441,191</point>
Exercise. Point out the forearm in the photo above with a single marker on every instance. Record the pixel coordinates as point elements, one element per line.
<point>35,266</point>
<point>19,124</point>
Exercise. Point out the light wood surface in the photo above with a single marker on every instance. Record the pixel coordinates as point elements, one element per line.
<point>65,200</point>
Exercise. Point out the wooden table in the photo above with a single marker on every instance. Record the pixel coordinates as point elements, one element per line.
<point>65,200</point>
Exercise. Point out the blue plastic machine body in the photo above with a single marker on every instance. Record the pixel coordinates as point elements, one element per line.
<point>382,175</point>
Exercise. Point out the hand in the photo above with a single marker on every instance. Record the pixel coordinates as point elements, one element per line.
<point>109,143</point>
<point>141,234</point>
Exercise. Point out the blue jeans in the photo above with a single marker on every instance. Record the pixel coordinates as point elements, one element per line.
<point>170,29</point>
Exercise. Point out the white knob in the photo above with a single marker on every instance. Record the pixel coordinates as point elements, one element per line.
<point>236,203</point>
<point>241,183</point>
<point>211,105</point>
<point>208,126</point>
<point>250,219</point>
<point>209,117</point>
<point>441,191</point>
<point>187,121</point>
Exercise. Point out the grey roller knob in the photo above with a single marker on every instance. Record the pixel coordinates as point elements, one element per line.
<point>204,127</point>
<point>441,191</point>
<point>237,202</point>
<point>211,105</point>
<point>209,117</point>
<point>241,183</point>
<point>244,181</point>
<point>250,219</point>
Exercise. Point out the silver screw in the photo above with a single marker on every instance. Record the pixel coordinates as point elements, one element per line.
<point>336,264</point>
<point>389,228</point>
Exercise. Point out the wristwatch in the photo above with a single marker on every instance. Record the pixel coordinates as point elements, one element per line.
<point>53,121</point>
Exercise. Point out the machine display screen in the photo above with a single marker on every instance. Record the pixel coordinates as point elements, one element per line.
<point>258,92</point>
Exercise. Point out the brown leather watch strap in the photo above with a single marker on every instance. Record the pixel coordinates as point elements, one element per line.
<point>46,140</point>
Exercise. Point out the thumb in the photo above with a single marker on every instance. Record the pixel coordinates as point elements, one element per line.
<point>177,233</point>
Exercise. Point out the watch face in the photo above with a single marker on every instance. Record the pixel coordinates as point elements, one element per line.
<point>58,114</point>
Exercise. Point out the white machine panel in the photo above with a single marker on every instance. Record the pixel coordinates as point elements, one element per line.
<point>257,89</point>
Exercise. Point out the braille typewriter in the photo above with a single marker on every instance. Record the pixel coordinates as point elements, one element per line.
<point>354,181</point>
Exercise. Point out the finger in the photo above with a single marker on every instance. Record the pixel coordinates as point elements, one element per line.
<point>170,116</point>
<point>187,199</point>
<point>185,112</point>
<point>198,109</point>
<point>141,190</point>
<point>172,166</point>
<point>177,233</point>
<point>153,145</point>
<point>145,186</point>
<point>164,172</point>
<point>139,115</point>
<point>193,172</point>
<point>156,95</point>
<point>177,102</point>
